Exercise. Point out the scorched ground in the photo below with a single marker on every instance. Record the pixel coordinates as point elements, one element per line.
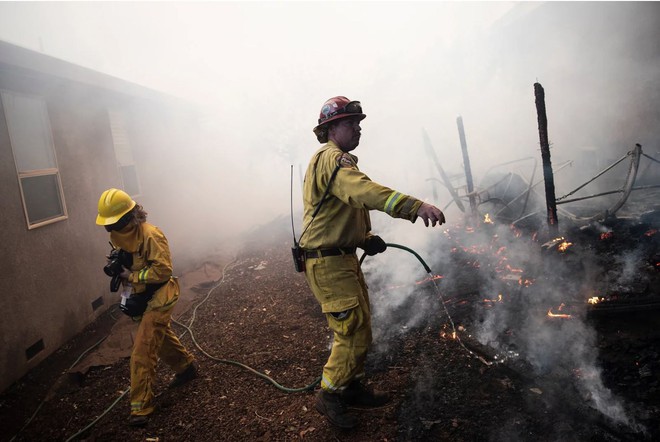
<point>262,314</point>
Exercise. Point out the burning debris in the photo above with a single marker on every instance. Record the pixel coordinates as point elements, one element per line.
<point>530,295</point>
<point>540,320</point>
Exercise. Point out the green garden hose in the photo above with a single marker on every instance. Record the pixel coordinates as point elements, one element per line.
<point>188,329</point>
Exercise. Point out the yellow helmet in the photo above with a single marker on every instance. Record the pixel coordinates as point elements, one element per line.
<point>113,204</point>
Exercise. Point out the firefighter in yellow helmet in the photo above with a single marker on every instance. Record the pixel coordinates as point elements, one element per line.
<point>146,269</point>
<point>330,239</point>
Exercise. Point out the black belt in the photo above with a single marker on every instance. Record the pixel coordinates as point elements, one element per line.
<point>329,252</point>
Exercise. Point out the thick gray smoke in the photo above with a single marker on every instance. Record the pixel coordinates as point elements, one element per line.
<point>260,71</point>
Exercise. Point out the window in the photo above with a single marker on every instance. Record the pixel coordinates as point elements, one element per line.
<point>34,155</point>
<point>124,154</point>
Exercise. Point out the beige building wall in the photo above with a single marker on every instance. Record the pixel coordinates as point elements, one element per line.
<point>51,280</point>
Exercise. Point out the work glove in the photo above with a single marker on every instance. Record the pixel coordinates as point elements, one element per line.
<point>374,244</point>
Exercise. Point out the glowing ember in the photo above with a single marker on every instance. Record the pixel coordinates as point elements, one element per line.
<point>560,243</point>
<point>564,245</point>
<point>606,235</point>
<point>516,232</point>
<point>525,282</point>
<point>499,299</point>
<point>446,335</point>
<point>558,315</point>
<point>651,232</point>
<point>595,300</point>
<point>487,219</point>
<point>513,270</point>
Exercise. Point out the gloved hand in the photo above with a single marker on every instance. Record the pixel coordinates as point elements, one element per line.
<point>374,244</point>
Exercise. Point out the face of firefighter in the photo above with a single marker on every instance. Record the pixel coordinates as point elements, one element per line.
<point>346,133</point>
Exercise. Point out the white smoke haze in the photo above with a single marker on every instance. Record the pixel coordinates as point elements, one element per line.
<point>630,266</point>
<point>260,72</point>
<point>516,327</point>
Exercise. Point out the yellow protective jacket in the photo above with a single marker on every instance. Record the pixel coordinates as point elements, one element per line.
<point>152,263</point>
<point>343,220</point>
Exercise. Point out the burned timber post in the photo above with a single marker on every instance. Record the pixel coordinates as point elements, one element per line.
<point>443,174</point>
<point>466,166</point>
<point>551,203</point>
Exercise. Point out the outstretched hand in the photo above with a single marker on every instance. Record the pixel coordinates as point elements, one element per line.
<point>431,213</point>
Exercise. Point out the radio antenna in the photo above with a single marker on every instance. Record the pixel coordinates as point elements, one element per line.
<point>295,243</point>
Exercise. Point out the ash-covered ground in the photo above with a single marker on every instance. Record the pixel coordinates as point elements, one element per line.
<point>499,343</point>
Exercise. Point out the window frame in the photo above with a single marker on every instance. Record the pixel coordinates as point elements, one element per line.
<point>51,171</point>
<point>117,122</point>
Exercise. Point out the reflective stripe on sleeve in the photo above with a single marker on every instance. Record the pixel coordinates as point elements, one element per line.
<point>392,201</point>
<point>142,275</point>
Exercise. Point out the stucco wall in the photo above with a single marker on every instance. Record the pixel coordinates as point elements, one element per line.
<point>51,275</point>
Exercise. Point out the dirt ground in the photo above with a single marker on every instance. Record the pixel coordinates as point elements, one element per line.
<point>257,310</point>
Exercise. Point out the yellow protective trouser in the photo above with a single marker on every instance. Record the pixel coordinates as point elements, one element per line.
<point>154,339</point>
<point>338,285</point>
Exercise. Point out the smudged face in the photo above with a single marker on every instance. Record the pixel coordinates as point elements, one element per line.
<point>346,133</point>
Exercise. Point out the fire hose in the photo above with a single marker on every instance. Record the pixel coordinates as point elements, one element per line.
<point>318,380</point>
<point>442,300</point>
<point>188,329</point>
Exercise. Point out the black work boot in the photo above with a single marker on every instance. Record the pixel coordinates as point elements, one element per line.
<point>185,376</point>
<point>358,394</point>
<point>138,421</point>
<point>332,406</point>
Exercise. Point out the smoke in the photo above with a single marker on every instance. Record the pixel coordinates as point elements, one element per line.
<point>513,286</point>
<point>258,72</point>
<point>629,263</point>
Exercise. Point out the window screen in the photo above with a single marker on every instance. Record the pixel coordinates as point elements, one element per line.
<point>42,198</point>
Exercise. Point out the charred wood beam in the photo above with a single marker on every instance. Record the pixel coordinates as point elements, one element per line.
<point>443,174</point>
<point>551,204</point>
<point>466,166</point>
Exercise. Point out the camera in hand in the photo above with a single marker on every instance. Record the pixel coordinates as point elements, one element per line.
<point>117,259</point>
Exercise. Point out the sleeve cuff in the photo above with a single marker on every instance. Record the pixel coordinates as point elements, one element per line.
<point>409,209</point>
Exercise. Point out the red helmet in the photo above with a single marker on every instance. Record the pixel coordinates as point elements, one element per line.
<point>334,109</point>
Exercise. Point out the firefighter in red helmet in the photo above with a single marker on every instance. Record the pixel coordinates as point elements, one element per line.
<point>331,235</point>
